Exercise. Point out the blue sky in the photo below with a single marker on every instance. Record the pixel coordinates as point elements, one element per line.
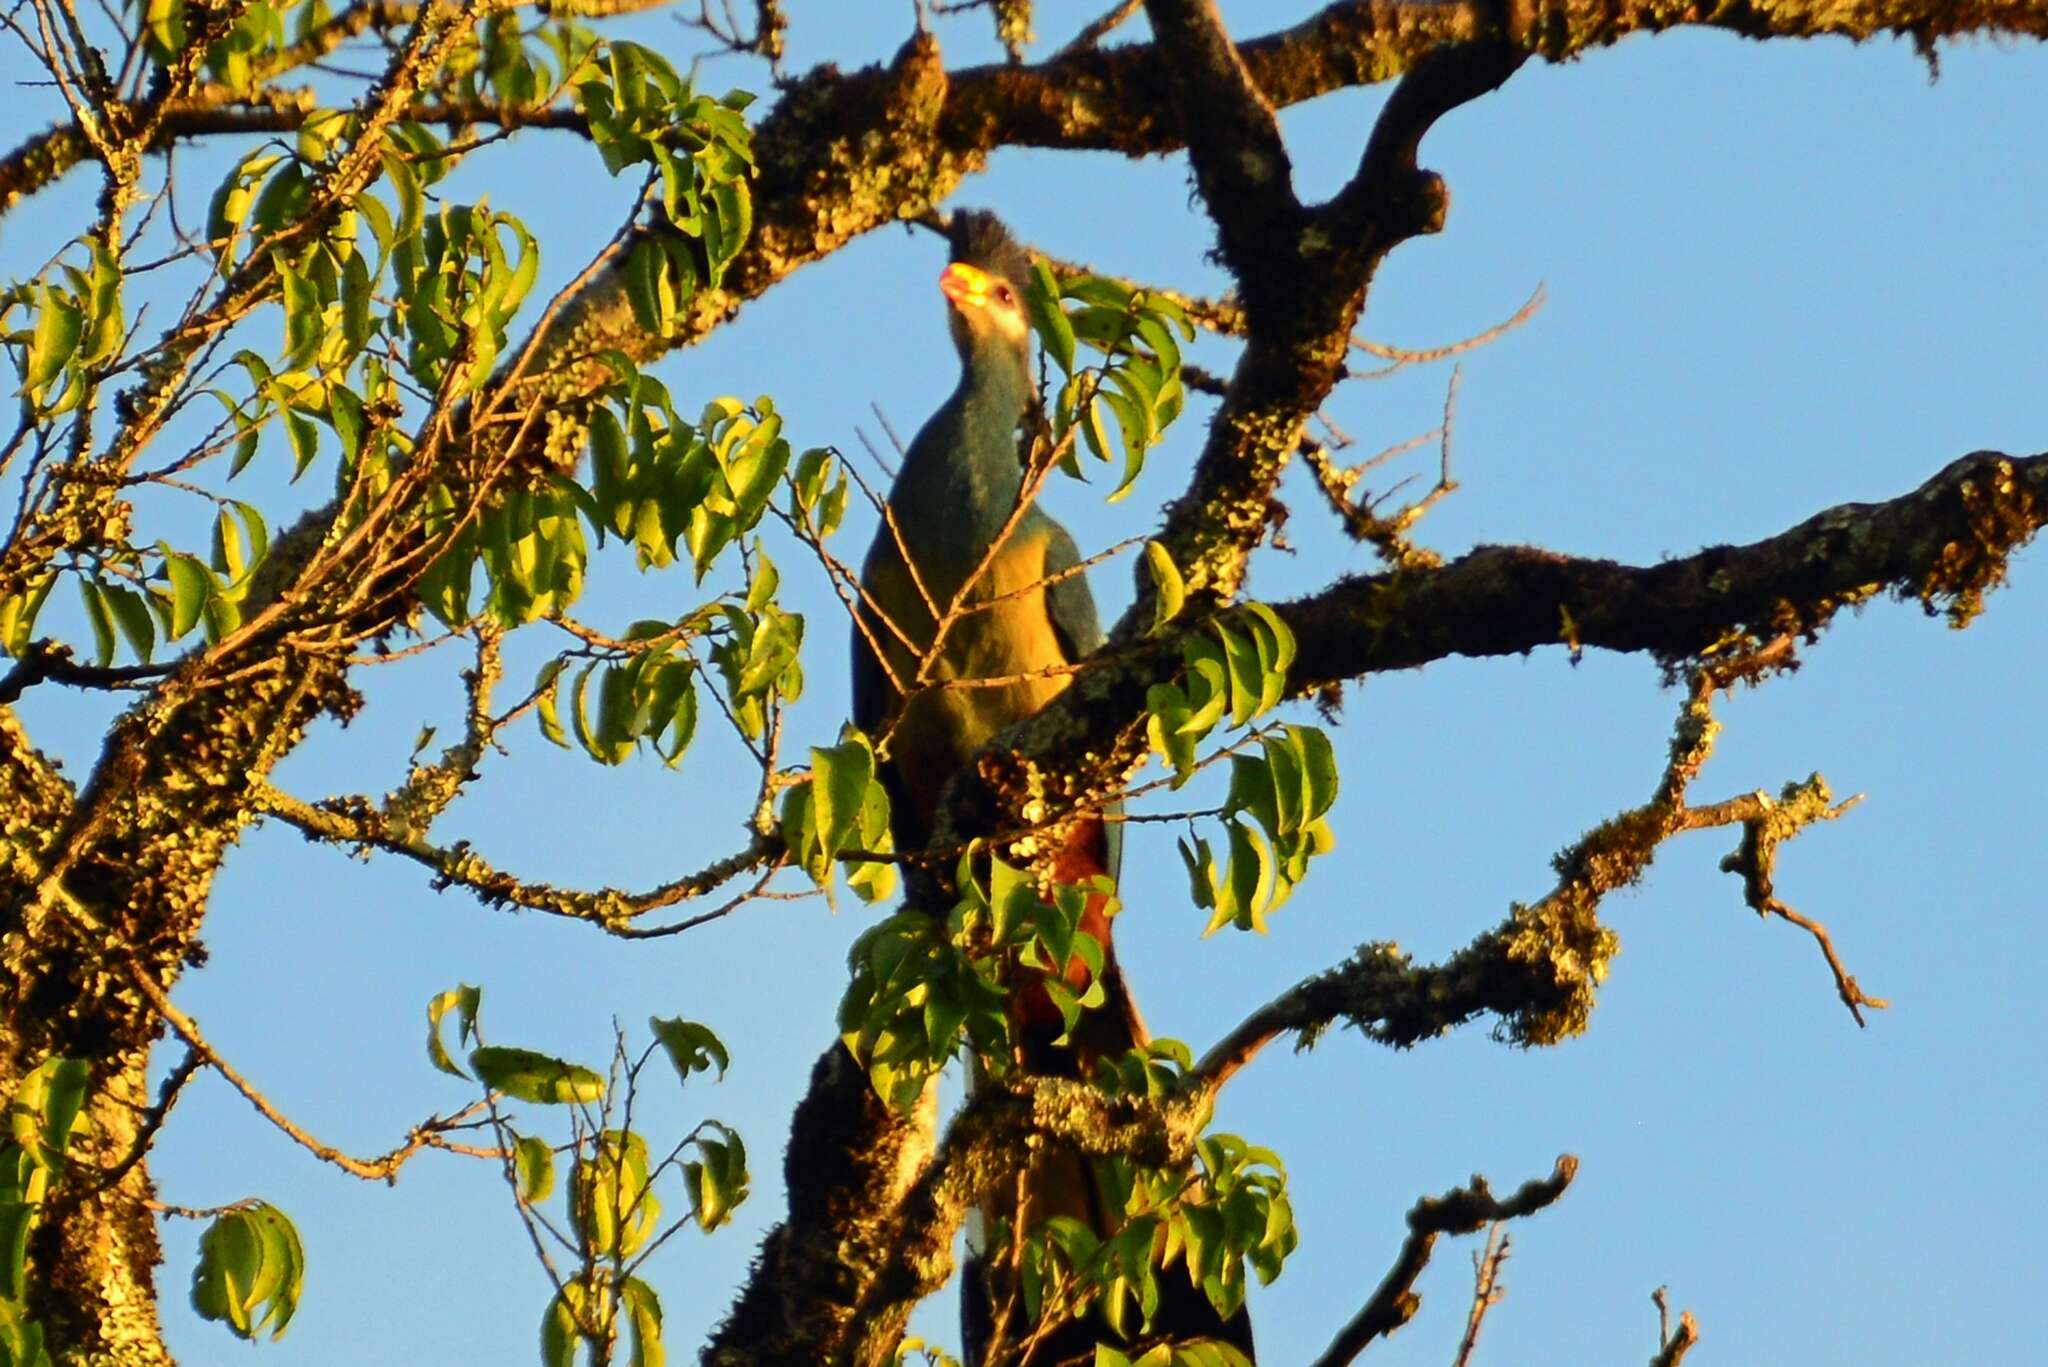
<point>1779,277</point>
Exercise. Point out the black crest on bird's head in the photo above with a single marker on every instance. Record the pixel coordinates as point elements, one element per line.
<point>980,239</point>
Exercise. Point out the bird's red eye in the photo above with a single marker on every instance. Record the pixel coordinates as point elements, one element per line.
<point>1003,293</point>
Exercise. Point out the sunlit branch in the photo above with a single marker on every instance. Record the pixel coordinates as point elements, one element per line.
<point>380,1169</point>
<point>1537,971</point>
<point>1672,1344</point>
<point>358,821</point>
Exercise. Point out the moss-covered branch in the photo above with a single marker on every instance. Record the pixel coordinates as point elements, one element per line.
<point>1945,545</point>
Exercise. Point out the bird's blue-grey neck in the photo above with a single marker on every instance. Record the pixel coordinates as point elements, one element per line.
<point>961,476</point>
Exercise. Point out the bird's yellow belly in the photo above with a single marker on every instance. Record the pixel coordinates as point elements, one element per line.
<point>1010,643</point>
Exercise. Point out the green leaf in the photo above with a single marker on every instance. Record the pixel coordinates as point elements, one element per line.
<point>547,689</point>
<point>1042,299</point>
<point>1247,685</point>
<point>191,586</point>
<point>345,415</point>
<point>101,618</point>
<point>103,341</point>
<point>250,1271</point>
<point>839,784</point>
<point>1290,784</point>
<point>559,1335</point>
<point>719,1183</point>
<point>1319,769</point>
<point>257,532</point>
<point>44,1109</point>
<point>643,1314</point>
<point>1249,875</point>
<point>131,614</point>
<point>610,1206</point>
<point>1166,729</point>
<point>691,1047</point>
<point>1169,590</point>
<point>533,1162</point>
<point>16,1219</point>
<point>1274,644</point>
<point>18,613</point>
<point>463,1001</point>
<point>531,1076</point>
<point>58,324</point>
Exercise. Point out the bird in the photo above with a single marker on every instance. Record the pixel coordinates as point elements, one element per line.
<point>953,528</point>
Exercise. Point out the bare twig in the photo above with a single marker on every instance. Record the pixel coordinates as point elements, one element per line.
<point>1486,1288</point>
<point>1672,1346</point>
<point>1100,27</point>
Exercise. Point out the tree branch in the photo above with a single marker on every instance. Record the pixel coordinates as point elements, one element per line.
<point>1461,1210</point>
<point>1241,164</point>
<point>361,822</point>
<point>1672,1346</point>
<point>383,1168</point>
<point>1945,544</point>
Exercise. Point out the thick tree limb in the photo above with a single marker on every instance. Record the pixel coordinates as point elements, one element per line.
<point>1945,544</point>
<point>1241,165</point>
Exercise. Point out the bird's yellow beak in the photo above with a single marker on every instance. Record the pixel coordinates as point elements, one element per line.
<point>967,286</point>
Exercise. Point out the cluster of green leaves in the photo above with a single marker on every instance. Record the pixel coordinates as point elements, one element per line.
<point>239,58</point>
<point>1136,386</point>
<point>1200,1353</point>
<point>921,987</point>
<point>62,327</point>
<point>646,689</point>
<point>142,595</point>
<point>528,542</point>
<point>842,806</point>
<point>458,282</point>
<point>506,63</point>
<point>641,111</point>
<point>1286,789</point>
<point>1235,671</point>
<point>1229,1209</point>
<point>41,1116</point>
<point>666,485</point>
<point>251,1270</point>
<point>611,1208</point>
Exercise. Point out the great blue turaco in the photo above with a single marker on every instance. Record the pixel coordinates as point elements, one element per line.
<point>958,489</point>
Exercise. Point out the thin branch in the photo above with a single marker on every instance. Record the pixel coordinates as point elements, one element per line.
<point>357,821</point>
<point>51,661</point>
<point>1100,27</point>
<point>1798,806</point>
<point>1487,1290</point>
<point>1461,1210</point>
<point>381,1169</point>
<point>1672,1346</point>
<point>152,1121</point>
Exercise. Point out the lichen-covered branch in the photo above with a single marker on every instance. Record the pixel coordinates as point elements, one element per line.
<point>1538,972</point>
<point>361,822</point>
<point>1946,544</point>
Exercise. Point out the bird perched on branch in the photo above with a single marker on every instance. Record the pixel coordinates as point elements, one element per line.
<point>968,579</point>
